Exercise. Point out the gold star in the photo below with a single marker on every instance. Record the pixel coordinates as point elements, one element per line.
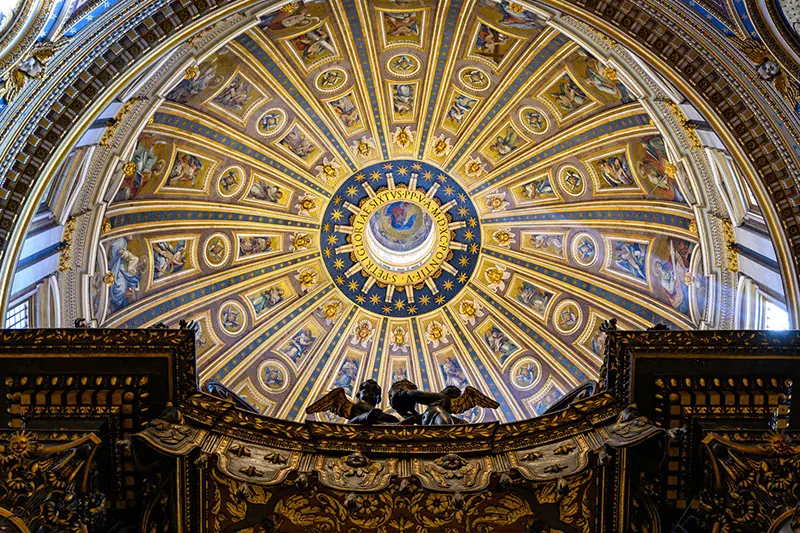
<point>338,264</point>
<point>469,235</point>
<point>360,299</point>
<point>375,176</point>
<point>402,171</point>
<point>332,239</point>
<point>462,278</point>
<point>448,285</point>
<point>386,309</point>
<point>472,222</point>
<point>442,178</point>
<point>440,299</point>
<point>352,285</point>
<point>428,175</point>
<point>336,215</point>
<point>387,166</point>
<point>326,226</point>
<point>424,299</point>
<point>374,299</point>
<point>462,211</point>
<point>462,197</point>
<point>399,304</point>
<point>327,252</point>
<point>473,248</point>
<point>337,200</point>
<point>359,177</point>
<point>412,309</point>
<point>416,166</point>
<point>339,280</point>
<point>351,191</point>
<point>463,261</point>
<point>449,190</point>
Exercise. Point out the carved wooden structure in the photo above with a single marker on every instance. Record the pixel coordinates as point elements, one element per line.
<point>707,449</point>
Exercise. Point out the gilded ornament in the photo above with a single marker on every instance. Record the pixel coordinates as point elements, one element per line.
<point>306,205</point>
<point>364,148</point>
<point>441,146</point>
<point>470,311</point>
<point>495,276</point>
<point>65,247</point>
<point>251,471</point>
<point>504,238</point>
<point>34,66</point>
<point>113,124</point>
<point>108,278</point>
<point>554,468</point>
<point>452,467</point>
<point>403,137</point>
<point>611,74</point>
<point>300,241</point>
<point>532,456</point>
<point>191,72</point>
<point>670,170</point>
<point>307,277</point>
<point>106,227</point>
<point>363,332</point>
<point>496,201</point>
<point>240,450</point>
<point>769,70</point>
<point>564,449</point>
<point>129,169</point>
<point>474,168</point>
<point>728,233</point>
<point>689,128</point>
<point>22,444</point>
<point>328,170</point>
<point>399,339</point>
<point>355,465</point>
<point>436,333</point>
<point>276,458</point>
<point>331,310</point>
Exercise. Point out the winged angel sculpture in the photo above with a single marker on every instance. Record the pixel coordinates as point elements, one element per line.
<point>769,70</point>
<point>31,68</point>
<point>404,396</point>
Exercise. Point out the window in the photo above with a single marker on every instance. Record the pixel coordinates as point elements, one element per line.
<point>775,316</point>
<point>17,316</point>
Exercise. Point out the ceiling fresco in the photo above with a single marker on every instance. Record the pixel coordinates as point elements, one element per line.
<point>455,195</point>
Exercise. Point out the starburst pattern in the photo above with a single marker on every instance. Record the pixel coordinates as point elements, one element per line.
<point>517,207</point>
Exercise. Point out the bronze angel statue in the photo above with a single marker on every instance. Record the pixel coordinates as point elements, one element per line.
<point>364,411</point>
<point>441,406</point>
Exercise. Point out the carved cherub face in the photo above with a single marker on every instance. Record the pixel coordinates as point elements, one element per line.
<point>768,70</point>
<point>370,392</point>
<point>356,460</point>
<point>450,461</point>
